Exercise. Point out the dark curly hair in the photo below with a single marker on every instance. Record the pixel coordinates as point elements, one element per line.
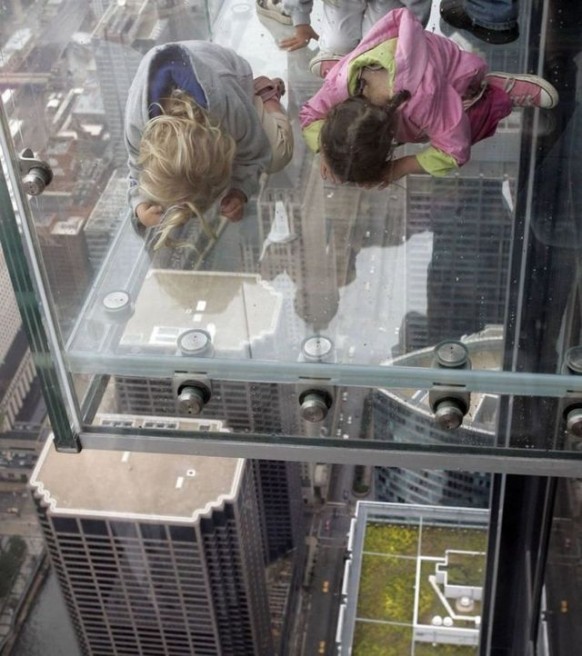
<point>357,138</point>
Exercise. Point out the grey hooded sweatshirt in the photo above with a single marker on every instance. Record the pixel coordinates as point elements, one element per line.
<point>227,83</point>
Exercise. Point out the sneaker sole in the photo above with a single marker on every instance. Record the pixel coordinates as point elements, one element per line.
<point>275,15</point>
<point>315,63</point>
<point>544,84</point>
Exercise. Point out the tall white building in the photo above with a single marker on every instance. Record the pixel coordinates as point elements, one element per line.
<point>157,554</point>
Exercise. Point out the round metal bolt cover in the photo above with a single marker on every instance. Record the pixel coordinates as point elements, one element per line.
<point>451,354</point>
<point>448,415</point>
<point>34,182</point>
<point>195,342</point>
<point>574,422</point>
<point>191,400</point>
<point>118,303</point>
<point>573,359</point>
<point>317,347</point>
<point>314,408</point>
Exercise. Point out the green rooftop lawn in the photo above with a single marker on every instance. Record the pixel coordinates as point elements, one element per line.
<point>381,640</point>
<point>387,588</point>
<point>392,539</point>
<point>436,540</point>
<point>466,569</point>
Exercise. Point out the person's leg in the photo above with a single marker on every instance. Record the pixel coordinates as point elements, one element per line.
<point>484,116</point>
<point>340,33</point>
<point>341,26</point>
<point>378,8</point>
<point>278,130</point>
<point>495,14</point>
<point>493,21</point>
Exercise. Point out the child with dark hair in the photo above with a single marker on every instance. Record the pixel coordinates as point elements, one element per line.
<point>403,84</point>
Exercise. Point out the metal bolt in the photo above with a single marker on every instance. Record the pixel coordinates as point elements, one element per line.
<point>451,354</point>
<point>573,359</point>
<point>314,407</point>
<point>191,400</point>
<point>35,182</point>
<point>195,342</point>
<point>317,348</point>
<point>574,422</point>
<point>448,414</point>
<point>117,304</point>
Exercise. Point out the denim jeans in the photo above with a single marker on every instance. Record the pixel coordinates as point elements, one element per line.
<point>493,14</point>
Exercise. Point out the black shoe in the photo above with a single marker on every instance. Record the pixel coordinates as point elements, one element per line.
<point>453,12</point>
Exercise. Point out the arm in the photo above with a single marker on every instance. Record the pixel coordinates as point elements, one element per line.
<point>312,114</point>
<point>300,11</point>
<point>253,151</point>
<point>401,167</point>
<point>448,129</point>
<point>231,101</point>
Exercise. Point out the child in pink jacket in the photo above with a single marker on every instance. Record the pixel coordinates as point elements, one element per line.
<point>413,86</point>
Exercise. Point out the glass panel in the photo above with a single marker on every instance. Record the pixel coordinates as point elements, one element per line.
<point>424,261</point>
<point>263,311</point>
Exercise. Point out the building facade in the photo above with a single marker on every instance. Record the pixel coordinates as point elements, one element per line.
<point>157,554</point>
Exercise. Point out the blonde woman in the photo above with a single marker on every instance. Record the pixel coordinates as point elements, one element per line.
<point>198,128</point>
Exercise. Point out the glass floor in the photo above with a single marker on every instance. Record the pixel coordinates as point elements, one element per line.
<point>464,361</point>
<point>322,288</point>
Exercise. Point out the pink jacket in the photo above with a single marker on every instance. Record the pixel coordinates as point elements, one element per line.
<point>436,72</point>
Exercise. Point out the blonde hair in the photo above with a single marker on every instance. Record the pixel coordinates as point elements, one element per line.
<point>185,161</point>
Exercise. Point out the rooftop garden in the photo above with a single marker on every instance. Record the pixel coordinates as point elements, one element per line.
<point>466,569</point>
<point>387,584</point>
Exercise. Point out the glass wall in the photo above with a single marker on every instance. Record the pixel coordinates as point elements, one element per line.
<point>237,342</point>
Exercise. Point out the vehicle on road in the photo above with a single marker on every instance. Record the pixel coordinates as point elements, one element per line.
<point>325,586</point>
<point>321,648</point>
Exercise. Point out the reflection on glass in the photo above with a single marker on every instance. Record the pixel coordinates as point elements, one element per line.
<point>315,273</point>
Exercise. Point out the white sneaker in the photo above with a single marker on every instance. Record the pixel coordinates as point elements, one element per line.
<point>273,9</point>
<point>323,62</point>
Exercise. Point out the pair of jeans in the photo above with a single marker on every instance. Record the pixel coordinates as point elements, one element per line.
<point>493,14</point>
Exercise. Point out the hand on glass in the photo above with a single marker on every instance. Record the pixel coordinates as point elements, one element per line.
<point>149,214</point>
<point>396,169</point>
<point>232,205</point>
<point>303,35</point>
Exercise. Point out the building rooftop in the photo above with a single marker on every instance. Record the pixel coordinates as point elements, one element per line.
<point>485,351</point>
<point>234,308</point>
<point>396,585</point>
<point>123,484</point>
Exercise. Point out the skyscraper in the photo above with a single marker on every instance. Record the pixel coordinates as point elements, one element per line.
<point>156,553</point>
<point>405,416</point>
<point>16,366</point>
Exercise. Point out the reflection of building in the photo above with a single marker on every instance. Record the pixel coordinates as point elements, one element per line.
<point>397,588</point>
<point>405,416</point>
<point>241,313</point>
<point>467,274</point>
<point>156,553</point>
<point>66,261</point>
<point>16,367</point>
<point>110,210</point>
